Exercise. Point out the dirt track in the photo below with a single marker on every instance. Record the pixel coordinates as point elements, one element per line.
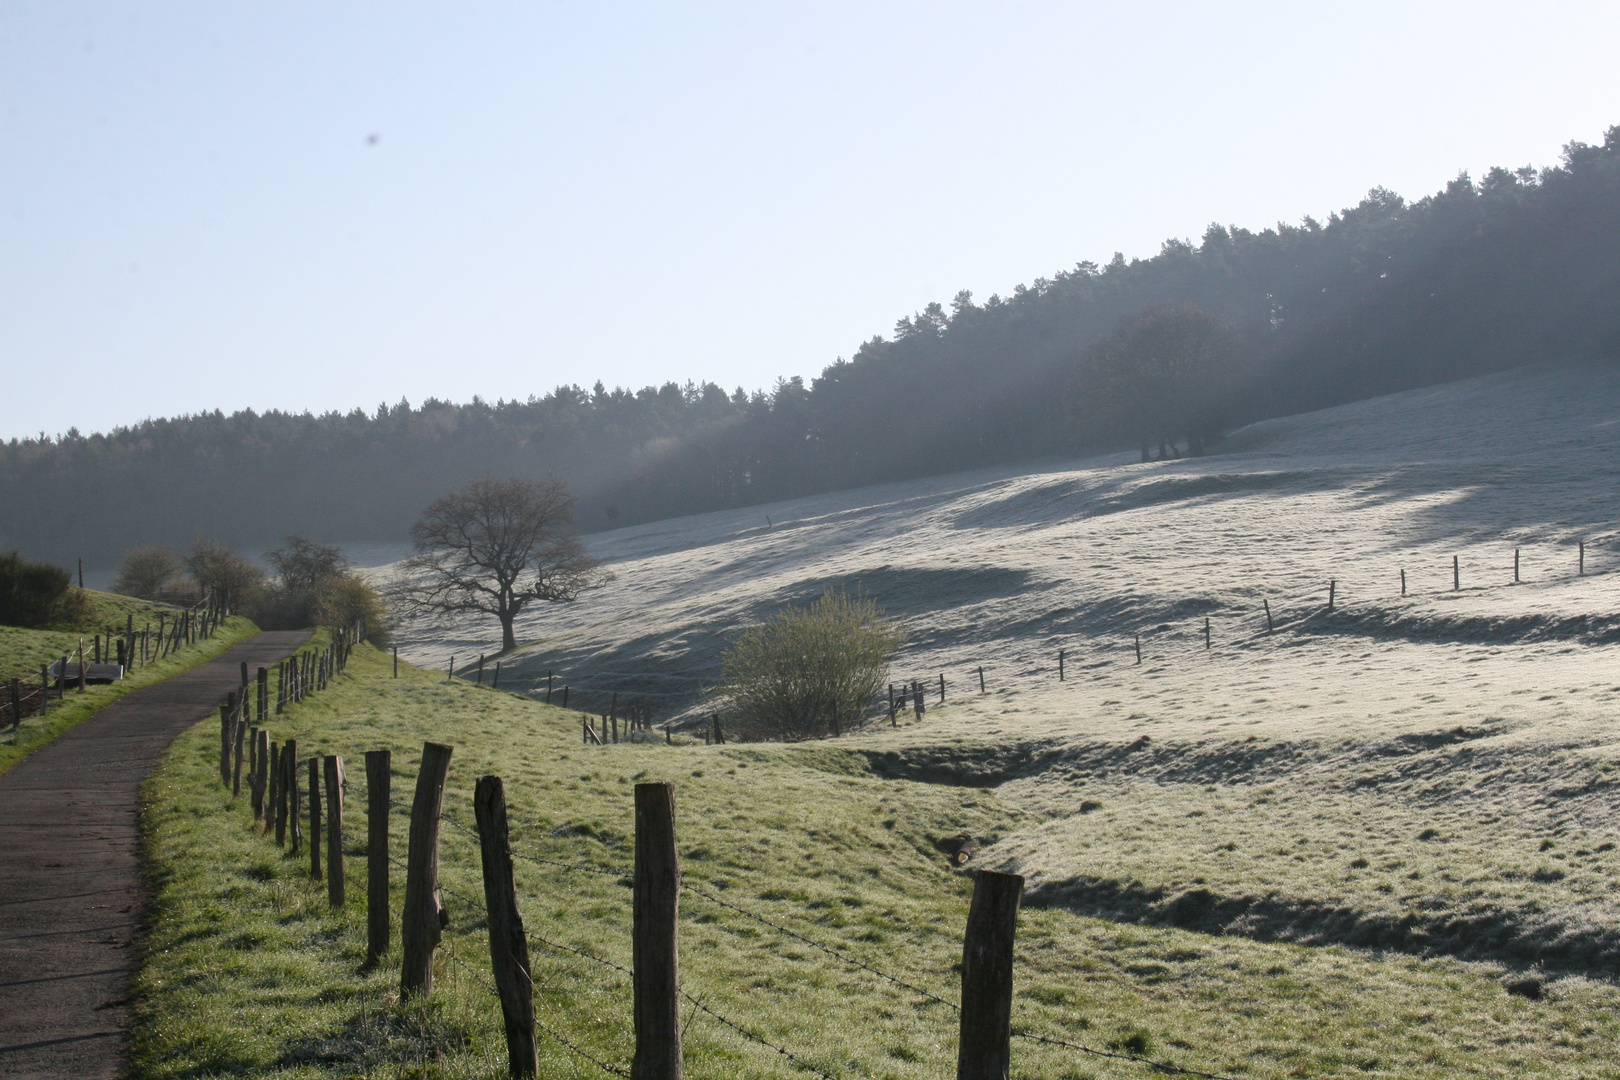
<point>70,880</point>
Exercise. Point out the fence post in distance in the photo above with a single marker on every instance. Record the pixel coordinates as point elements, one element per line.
<point>273,777</point>
<point>987,977</point>
<point>423,922</point>
<point>508,946</point>
<point>1456,575</point>
<point>655,960</point>
<point>289,794</point>
<point>379,779</point>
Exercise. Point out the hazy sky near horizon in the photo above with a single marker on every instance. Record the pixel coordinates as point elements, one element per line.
<point>329,205</point>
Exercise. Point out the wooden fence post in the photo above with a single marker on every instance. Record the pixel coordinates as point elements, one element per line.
<point>450,672</point>
<point>1403,581</point>
<point>495,683</point>
<point>289,795</point>
<point>379,780</point>
<point>1060,665</point>
<point>424,921</point>
<point>1456,575</point>
<point>981,680</point>
<point>480,669</point>
<point>286,767</point>
<point>260,748</point>
<point>1580,556</point>
<point>1333,586</point>
<point>1206,632</point>
<point>236,774</point>
<point>1138,648</point>
<point>508,945</point>
<point>1267,604</point>
<point>892,721</point>
<point>334,831</point>
<point>987,977</point>
<point>264,693</point>
<point>225,740</point>
<point>396,661</point>
<point>273,777</point>
<point>314,818</point>
<point>1515,566</point>
<point>654,952</point>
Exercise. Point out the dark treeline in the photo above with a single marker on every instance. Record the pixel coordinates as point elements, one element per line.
<point>1520,266</point>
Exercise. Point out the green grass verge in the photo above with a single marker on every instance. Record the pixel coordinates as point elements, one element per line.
<point>78,706</point>
<point>23,651</point>
<point>246,971</point>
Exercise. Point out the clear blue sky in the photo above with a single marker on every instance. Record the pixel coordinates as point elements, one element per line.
<point>193,213</point>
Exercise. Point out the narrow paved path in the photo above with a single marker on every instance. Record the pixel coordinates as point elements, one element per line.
<point>70,879</point>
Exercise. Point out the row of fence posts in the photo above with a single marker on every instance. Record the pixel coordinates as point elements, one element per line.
<point>132,648</point>
<point>987,953</point>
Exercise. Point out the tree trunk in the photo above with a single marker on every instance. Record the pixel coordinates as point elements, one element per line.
<point>508,639</point>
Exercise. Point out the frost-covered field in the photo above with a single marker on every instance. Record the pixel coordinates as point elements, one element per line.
<point>1434,772</point>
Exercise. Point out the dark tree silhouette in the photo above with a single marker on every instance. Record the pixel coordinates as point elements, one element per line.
<point>494,548</point>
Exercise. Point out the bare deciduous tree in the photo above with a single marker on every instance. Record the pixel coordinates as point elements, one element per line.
<point>495,547</point>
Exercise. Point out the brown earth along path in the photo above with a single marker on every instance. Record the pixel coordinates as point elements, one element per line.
<point>71,889</point>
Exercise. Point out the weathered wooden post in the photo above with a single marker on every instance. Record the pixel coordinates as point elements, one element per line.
<point>264,693</point>
<point>225,740</point>
<point>396,661</point>
<point>335,895</point>
<point>918,706</point>
<point>987,977</point>
<point>508,944</point>
<point>1403,581</point>
<point>942,688</point>
<point>314,818</point>
<point>495,683</point>
<point>480,669</point>
<point>1061,655</point>
<point>1206,633</point>
<point>1139,648</point>
<point>289,783</point>
<point>450,672</point>
<point>1580,556</point>
<point>236,776</point>
<point>1515,566</point>
<point>981,680</point>
<point>1333,586</point>
<point>1456,575</point>
<point>261,749</point>
<point>274,808</point>
<point>892,721</point>
<point>424,919</point>
<point>379,780</point>
<point>654,952</point>
<point>1267,604</point>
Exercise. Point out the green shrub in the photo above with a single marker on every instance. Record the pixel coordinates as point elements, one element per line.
<point>31,594</point>
<point>810,671</point>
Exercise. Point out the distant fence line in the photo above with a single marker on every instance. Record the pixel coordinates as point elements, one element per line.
<point>133,648</point>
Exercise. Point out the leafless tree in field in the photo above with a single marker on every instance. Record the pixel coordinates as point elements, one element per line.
<point>494,548</point>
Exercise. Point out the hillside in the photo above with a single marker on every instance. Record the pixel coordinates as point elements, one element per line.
<point>1386,295</point>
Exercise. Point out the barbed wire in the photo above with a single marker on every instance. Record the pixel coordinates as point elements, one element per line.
<point>616,1070</point>
<point>733,1025</point>
<point>603,871</point>
<point>817,945</point>
<point>1157,1066</point>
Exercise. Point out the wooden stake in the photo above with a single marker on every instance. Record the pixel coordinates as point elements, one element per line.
<point>1456,575</point>
<point>1267,604</point>
<point>289,779</point>
<point>379,779</point>
<point>236,777</point>
<point>1206,633</point>
<point>396,661</point>
<point>942,688</point>
<point>1060,665</point>
<point>1333,587</point>
<point>260,749</point>
<point>424,918</point>
<point>1403,581</point>
<point>508,944</point>
<point>1580,565</point>
<point>314,818</point>
<point>334,831</point>
<point>275,809</point>
<point>1515,566</point>
<point>655,959</point>
<point>1138,648</point>
<point>987,977</point>
<point>981,680</point>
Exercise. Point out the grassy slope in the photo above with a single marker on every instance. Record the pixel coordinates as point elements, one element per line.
<point>36,647</point>
<point>22,652</point>
<point>247,971</point>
